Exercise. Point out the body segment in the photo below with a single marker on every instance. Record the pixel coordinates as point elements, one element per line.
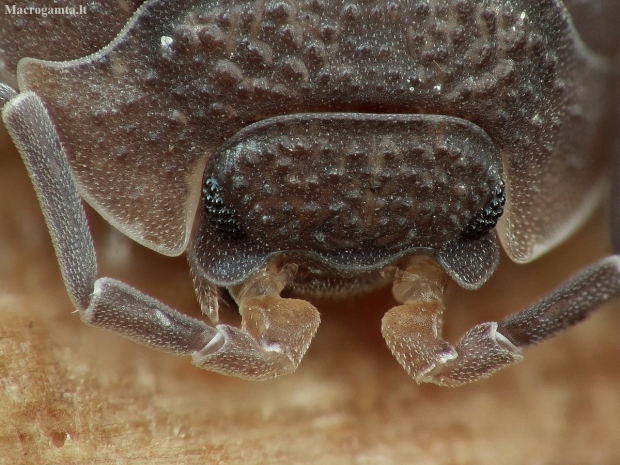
<point>184,76</point>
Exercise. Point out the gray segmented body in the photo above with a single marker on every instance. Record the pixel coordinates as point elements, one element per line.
<point>185,76</point>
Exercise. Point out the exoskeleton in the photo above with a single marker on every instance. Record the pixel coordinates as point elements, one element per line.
<point>328,146</point>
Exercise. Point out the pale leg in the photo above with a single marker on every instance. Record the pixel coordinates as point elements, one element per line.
<point>413,330</point>
<point>275,332</point>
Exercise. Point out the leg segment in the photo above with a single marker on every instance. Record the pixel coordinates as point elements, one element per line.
<point>126,311</point>
<point>568,305</point>
<point>413,330</point>
<point>207,293</point>
<point>6,94</point>
<point>413,333</point>
<point>273,338</point>
<point>34,136</point>
<point>275,332</point>
<point>274,335</point>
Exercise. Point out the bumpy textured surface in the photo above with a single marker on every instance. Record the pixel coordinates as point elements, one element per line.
<point>470,263</point>
<point>184,76</point>
<point>58,36</point>
<point>392,185</point>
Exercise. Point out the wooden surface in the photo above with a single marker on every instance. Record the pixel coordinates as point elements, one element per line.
<point>74,394</point>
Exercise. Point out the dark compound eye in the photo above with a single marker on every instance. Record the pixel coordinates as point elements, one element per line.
<point>486,218</point>
<point>222,217</point>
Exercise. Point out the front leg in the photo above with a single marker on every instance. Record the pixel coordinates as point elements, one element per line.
<point>275,333</point>
<point>413,330</point>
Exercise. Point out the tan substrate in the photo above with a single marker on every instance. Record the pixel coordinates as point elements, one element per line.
<point>74,394</point>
